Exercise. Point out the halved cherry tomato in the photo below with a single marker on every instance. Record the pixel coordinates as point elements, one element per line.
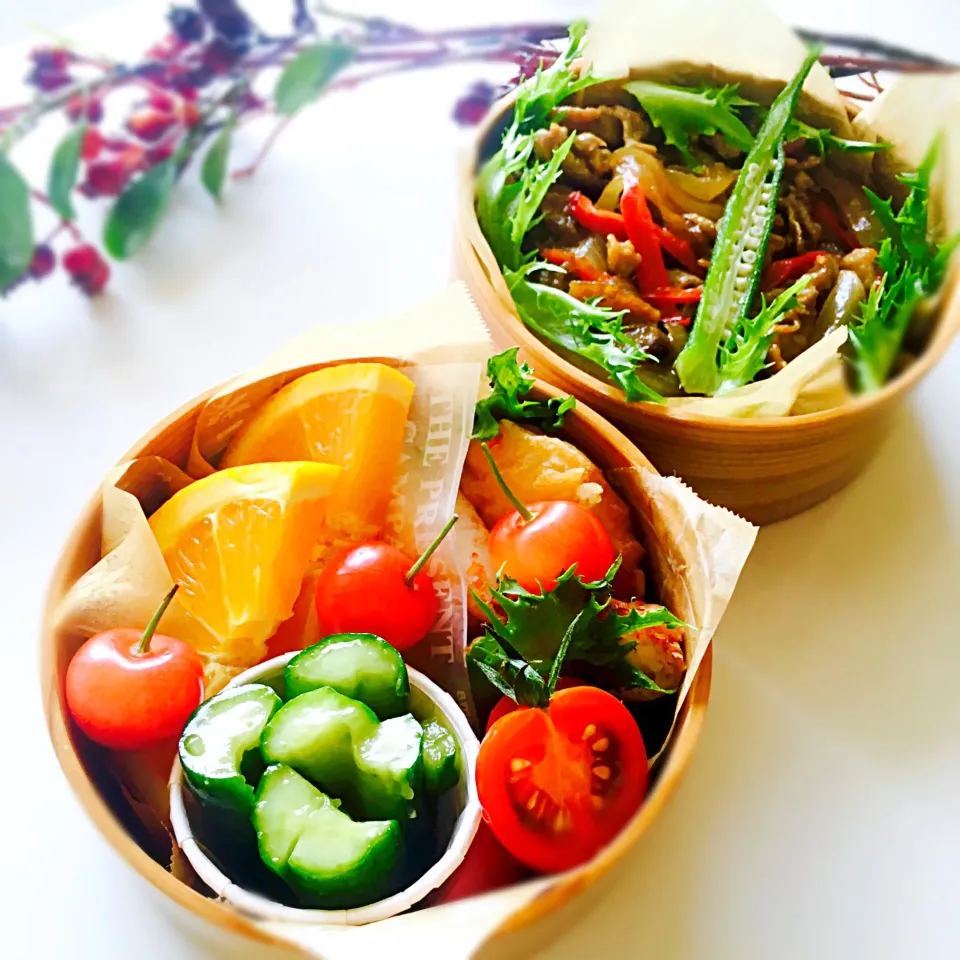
<point>507,705</point>
<point>558,784</point>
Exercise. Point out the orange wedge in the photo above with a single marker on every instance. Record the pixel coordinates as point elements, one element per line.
<point>239,543</point>
<point>353,415</point>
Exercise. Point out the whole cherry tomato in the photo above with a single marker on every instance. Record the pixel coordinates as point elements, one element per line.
<point>127,690</point>
<point>558,783</point>
<point>374,588</point>
<point>536,543</point>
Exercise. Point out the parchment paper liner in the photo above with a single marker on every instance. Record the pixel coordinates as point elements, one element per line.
<point>702,41</point>
<point>695,550</point>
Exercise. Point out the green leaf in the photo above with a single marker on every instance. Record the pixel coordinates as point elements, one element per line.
<point>512,676</point>
<point>913,265</point>
<point>823,140</point>
<point>510,381</point>
<point>683,113</point>
<point>139,210</point>
<point>214,169</point>
<point>738,253</point>
<point>63,172</point>
<point>591,336</point>
<point>16,233</point>
<point>743,354</point>
<point>304,77</point>
<point>511,185</point>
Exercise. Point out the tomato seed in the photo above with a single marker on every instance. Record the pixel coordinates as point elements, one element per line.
<point>602,772</point>
<point>532,802</point>
<point>589,731</point>
<point>597,801</point>
<point>518,763</point>
<point>600,745</point>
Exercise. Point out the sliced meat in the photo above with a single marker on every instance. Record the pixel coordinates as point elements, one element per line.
<point>721,148</point>
<point>651,339</point>
<point>588,164</point>
<point>796,201</point>
<point>538,467</point>
<point>558,228</point>
<point>796,331</point>
<point>615,125</point>
<point>861,262</point>
<point>622,259</point>
<point>658,653</point>
<point>700,232</point>
<point>617,294</point>
<point>546,142</point>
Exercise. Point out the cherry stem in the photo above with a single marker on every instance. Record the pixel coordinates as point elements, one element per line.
<point>429,552</point>
<point>508,493</point>
<point>143,647</point>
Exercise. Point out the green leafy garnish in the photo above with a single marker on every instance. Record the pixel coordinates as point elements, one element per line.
<point>683,113</point>
<point>510,381</point>
<point>574,621</point>
<point>591,335</point>
<point>738,254</point>
<point>913,267</point>
<point>743,354</point>
<point>822,140</point>
<point>513,182</point>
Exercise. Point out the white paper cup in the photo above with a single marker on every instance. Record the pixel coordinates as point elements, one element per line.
<point>426,698</point>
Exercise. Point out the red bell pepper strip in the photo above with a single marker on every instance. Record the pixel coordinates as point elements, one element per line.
<point>583,210</point>
<point>641,230</point>
<point>782,272</point>
<point>580,266</point>
<point>670,295</point>
<point>677,321</point>
<point>825,214</point>
<point>679,249</point>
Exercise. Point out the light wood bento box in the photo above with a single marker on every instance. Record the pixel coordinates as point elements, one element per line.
<point>765,469</point>
<point>84,764</point>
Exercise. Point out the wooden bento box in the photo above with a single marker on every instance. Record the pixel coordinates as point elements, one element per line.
<point>496,922</point>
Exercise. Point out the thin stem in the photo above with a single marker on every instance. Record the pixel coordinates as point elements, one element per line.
<point>143,646</point>
<point>252,168</point>
<point>429,552</point>
<point>508,493</point>
<point>68,225</point>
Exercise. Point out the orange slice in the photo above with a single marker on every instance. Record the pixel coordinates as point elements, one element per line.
<point>353,415</point>
<point>239,543</point>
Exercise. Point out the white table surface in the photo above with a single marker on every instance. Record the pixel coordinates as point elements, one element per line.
<point>821,813</point>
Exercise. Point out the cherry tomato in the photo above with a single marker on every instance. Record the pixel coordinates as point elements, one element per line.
<point>507,705</point>
<point>561,533</point>
<point>363,590</point>
<point>557,784</point>
<point>128,689</point>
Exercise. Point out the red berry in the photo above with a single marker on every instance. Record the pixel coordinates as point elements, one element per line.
<point>48,80</point>
<point>106,178</point>
<point>43,262</point>
<point>162,102</point>
<point>92,144</point>
<point>156,155</point>
<point>218,56</point>
<point>87,269</point>
<point>150,125</point>
<point>88,108</point>
<point>51,58</point>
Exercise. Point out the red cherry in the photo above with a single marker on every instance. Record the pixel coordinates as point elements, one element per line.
<point>43,262</point>
<point>128,690</point>
<point>93,143</point>
<point>364,590</point>
<point>535,543</point>
<point>537,551</point>
<point>150,125</point>
<point>87,269</point>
